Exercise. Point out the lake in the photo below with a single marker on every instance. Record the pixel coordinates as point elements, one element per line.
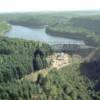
<point>39,34</point>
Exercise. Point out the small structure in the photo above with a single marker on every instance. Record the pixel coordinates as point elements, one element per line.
<point>59,60</point>
<point>60,56</point>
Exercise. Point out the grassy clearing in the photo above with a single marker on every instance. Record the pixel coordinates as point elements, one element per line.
<point>4,27</point>
<point>33,76</point>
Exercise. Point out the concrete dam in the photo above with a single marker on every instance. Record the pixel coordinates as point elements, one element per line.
<point>72,48</point>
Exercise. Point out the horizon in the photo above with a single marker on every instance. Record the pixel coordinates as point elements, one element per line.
<point>11,6</point>
<point>75,11</point>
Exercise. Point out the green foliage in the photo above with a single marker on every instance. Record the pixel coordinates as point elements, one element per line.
<point>19,58</point>
<point>16,61</point>
<point>4,27</point>
<point>17,90</point>
<point>39,61</point>
<point>79,28</point>
<point>16,57</point>
<point>38,64</point>
<point>65,84</point>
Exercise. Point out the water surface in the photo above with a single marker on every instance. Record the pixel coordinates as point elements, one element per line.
<point>39,34</point>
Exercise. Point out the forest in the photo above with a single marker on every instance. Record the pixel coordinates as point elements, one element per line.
<point>85,28</point>
<point>19,58</point>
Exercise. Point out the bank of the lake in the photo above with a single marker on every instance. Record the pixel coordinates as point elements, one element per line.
<point>74,35</point>
<point>4,27</point>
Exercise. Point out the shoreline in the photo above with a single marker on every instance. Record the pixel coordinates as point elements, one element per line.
<point>87,40</point>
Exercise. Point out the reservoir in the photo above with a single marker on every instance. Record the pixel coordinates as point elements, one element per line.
<point>39,34</point>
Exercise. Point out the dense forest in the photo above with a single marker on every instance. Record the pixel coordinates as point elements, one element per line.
<point>19,58</point>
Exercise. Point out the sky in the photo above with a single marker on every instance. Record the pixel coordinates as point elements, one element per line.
<point>48,5</point>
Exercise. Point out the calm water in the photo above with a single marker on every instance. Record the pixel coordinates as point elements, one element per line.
<point>38,34</point>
